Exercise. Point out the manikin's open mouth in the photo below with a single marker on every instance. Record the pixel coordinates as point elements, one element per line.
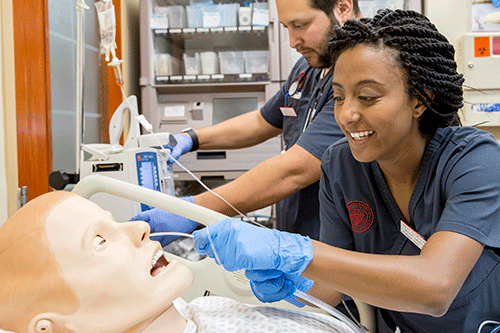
<point>158,264</point>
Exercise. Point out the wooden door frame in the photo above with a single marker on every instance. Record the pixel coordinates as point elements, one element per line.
<point>33,108</point>
<point>33,97</point>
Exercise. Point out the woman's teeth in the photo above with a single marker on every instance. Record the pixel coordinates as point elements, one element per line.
<point>357,136</point>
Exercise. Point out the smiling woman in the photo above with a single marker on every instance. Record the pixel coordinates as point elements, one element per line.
<point>67,266</point>
<point>409,209</point>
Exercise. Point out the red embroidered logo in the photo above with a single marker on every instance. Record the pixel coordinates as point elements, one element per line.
<point>361,216</point>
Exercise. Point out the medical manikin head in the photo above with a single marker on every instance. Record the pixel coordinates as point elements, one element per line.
<point>67,266</point>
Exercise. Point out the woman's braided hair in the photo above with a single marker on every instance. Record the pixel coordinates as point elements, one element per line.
<point>424,53</point>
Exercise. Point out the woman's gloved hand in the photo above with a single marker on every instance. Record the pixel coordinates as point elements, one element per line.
<point>273,285</point>
<point>240,245</point>
<point>184,145</point>
<point>160,220</point>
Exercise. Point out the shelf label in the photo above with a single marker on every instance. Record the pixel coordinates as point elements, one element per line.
<point>189,30</point>
<point>216,29</point>
<point>175,31</point>
<point>245,28</point>
<point>176,78</point>
<point>231,28</point>
<point>160,31</point>
<point>189,77</point>
<point>245,76</point>
<point>202,30</point>
<point>174,111</point>
<point>218,76</point>
<point>203,77</point>
<point>162,78</point>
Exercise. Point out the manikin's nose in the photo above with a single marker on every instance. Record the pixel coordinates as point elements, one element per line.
<point>137,231</point>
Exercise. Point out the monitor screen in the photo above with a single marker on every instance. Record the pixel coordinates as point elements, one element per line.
<point>148,175</point>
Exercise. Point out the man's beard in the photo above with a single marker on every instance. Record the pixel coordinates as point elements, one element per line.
<point>324,57</point>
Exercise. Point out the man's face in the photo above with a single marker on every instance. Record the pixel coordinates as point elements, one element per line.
<point>309,28</point>
<point>109,265</point>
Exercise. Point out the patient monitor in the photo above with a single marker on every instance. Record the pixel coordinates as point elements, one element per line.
<point>138,161</point>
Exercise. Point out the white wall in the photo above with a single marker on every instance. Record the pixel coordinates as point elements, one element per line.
<point>8,140</point>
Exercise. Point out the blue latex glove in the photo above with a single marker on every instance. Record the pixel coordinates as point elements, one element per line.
<point>274,285</point>
<point>496,3</point>
<point>184,145</point>
<point>161,220</point>
<point>240,245</point>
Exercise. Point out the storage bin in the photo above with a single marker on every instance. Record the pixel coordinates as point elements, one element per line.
<point>195,15</point>
<point>212,15</point>
<point>231,62</point>
<point>192,64</point>
<point>165,64</point>
<point>229,15</point>
<point>177,17</point>
<point>245,16</point>
<point>159,19</point>
<point>209,63</point>
<point>256,61</point>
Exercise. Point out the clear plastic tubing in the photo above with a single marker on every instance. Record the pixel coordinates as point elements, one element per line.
<point>330,309</point>
<point>170,233</point>
<point>308,298</point>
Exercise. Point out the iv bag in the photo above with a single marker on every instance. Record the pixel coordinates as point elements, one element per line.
<point>107,26</point>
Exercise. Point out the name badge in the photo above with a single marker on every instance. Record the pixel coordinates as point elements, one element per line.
<point>412,235</point>
<point>288,112</point>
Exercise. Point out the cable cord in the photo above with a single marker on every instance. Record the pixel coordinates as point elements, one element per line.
<point>489,322</point>
<point>200,182</point>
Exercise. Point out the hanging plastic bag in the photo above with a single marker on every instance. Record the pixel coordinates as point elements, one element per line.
<point>107,26</point>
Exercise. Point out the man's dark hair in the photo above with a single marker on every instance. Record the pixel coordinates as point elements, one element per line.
<point>327,6</point>
<point>423,53</point>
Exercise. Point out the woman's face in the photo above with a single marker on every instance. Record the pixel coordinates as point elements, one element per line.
<point>372,105</point>
<point>109,265</point>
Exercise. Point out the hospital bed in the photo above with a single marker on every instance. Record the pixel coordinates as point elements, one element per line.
<point>209,277</point>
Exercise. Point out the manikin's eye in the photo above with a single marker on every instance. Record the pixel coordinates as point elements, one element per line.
<point>98,242</point>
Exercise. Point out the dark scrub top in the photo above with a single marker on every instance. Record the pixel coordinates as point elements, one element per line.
<point>299,213</point>
<point>458,189</point>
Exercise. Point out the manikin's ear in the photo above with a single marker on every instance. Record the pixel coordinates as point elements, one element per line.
<point>343,11</point>
<point>46,323</point>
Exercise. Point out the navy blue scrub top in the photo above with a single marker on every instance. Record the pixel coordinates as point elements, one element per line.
<point>299,213</point>
<point>458,190</point>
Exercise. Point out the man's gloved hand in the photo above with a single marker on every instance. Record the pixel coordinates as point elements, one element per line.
<point>184,145</point>
<point>240,245</point>
<point>273,285</point>
<point>161,220</point>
